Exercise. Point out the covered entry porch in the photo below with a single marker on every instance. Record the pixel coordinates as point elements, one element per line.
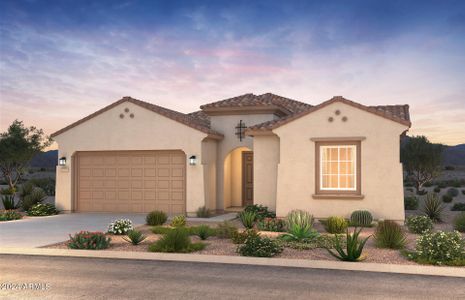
<point>238,179</point>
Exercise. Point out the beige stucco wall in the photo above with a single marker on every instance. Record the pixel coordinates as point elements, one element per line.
<point>209,147</point>
<point>146,131</point>
<point>266,160</point>
<point>226,125</point>
<point>381,181</point>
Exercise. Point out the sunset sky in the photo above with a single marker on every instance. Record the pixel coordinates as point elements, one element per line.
<point>62,60</point>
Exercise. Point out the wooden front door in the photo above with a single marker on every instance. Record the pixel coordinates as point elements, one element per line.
<point>247,178</point>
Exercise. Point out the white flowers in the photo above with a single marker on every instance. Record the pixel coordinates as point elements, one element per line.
<point>120,227</point>
<point>440,247</point>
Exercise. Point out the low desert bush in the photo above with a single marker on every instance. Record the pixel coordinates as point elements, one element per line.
<point>47,184</point>
<point>41,209</point>
<point>176,240</point>
<point>178,221</point>
<point>447,199</point>
<point>410,203</point>
<point>120,227</point>
<point>352,250</point>
<point>225,230</point>
<point>203,212</point>
<point>260,211</point>
<point>239,237</point>
<point>422,192</point>
<point>458,207</point>
<point>437,189</point>
<point>389,234</point>
<point>336,224</point>
<point>271,224</point>
<point>8,215</point>
<point>8,198</point>
<point>453,192</point>
<point>322,241</point>
<point>247,218</point>
<point>361,218</point>
<point>433,208</point>
<point>155,218</point>
<point>463,192</point>
<point>259,247</point>
<point>36,195</point>
<point>134,237</point>
<point>419,224</point>
<point>202,231</point>
<point>89,240</point>
<point>459,222</point>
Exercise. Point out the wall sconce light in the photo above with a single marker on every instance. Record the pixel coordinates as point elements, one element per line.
<point>193,160</point>
<point>62,161</point>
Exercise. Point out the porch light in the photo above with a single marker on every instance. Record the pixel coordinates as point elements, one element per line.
<point>193,160</point>
<point>62,161</point>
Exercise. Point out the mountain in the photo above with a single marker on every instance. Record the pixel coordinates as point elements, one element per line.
<point>47,160</point>
<point>454,155</point>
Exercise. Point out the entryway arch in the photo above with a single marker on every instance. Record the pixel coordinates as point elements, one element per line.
<point>238,178</point>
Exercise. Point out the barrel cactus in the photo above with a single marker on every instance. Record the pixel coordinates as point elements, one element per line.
<point>362,218</point>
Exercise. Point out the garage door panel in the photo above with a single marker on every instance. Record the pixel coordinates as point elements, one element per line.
<point>131,181</point>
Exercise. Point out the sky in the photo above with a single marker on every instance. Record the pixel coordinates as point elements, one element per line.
<point>63,60</point>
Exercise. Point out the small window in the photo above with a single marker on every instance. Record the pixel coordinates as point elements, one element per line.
<point>337,168</point>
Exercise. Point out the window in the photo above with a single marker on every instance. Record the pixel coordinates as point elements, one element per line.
<point>338,168</point>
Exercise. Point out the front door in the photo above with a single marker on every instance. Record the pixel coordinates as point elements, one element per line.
<point>247,178</point>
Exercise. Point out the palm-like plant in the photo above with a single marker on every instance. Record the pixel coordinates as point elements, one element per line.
<point>354,246</point>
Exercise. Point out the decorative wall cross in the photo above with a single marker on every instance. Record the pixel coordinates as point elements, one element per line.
<point>240,130</point>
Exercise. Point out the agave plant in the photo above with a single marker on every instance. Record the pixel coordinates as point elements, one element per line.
<point>299,227</point>
<point>247,218</point>
<point>433,207</point>
<point>134,237</point>
<point>354,246</point>
<point>300,218</point>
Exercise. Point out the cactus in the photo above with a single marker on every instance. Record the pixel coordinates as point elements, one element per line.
<point>362,218</point>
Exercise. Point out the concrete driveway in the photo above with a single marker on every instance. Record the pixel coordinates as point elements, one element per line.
<point>41,231</point>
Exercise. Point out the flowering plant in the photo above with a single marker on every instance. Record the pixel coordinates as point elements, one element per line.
<point>120,227</point>
<point>440,247</point>
<point>419,224</point>
<point>89,240</point>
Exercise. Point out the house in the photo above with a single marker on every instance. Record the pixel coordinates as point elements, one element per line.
<point>329,159</point>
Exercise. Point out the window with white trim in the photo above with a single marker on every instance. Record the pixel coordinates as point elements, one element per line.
<point>338,168</point>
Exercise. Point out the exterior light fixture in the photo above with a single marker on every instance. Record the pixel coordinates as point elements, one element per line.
<point>62,161</point>
<point>193,160</point>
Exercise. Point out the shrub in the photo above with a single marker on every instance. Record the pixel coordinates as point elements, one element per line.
<point>336,225</point>
<point>463,192</point>
<point>449,168</point>
<point>433,208</point>
<point>452,192</point>
<point>203,212</point>
<point>428,184</point>
<point>321,241</point>
<point>271,224</point>
<point>8,198</point>
<point>354,246</point>
<point>459,222</point>
<point>419,224</point>
<point>361,218</point>
<point>161,229</point>
<point>437,189</point>
<point>260,211</point>
<point>155,218</point>
<point>89,240</point>
<point>120,227</point>
<point>41,209</point>
<point>176,240</point>
<point>439,247</point>
<point>134,237</point>
<point>37,195</point>
<point>259,247</point>
<point>422,192</point>
<point>458,207</point>
<point>411,203</point>
<point>247,218</point>
<point>447,199</point>
<point>238,237</point>
<point>9,215</point>
<point>225,230</point>
<point>203,231</point>
<point>46,184</point>
<point>389,234</point>
<point>178,221</point>
<point>300,218</point>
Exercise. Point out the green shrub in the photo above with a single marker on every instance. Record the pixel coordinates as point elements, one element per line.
<point>36,195</point>
<point>459,222</point>
<point>452,192</point>
<point>239,237</point>
<point>89,240</point>
<point>9,215</point>
<point>203,231</point>
<point>419,224</point>
<point>260,211</point>
<point>8,198</point>
<point>389,234</point>
<point>447,199</point>
<point>247,218</point>
<point>433,208</point>
<point>321,241</point>
<point>203,212</point>
<point>46,184</point>
<point>463,192</point>
<point>259,247</point>
<point>437,189</point>
<point>155,218</point>
<point>354,246</point>
<point>120,227</point>
<point>176,240</point>
<point>225,230</point>
<point>134,237</point>
<point>336,224</point>
<point>271,224</point>
<point>428,184</point>
<point>161,229</point>
<point>411,203</point>
<point>458,206</point>
<point>361,218</point>
<point>422,192</point>
<point>42,209</point>
<point>178,221</point>
<point>439,248</point>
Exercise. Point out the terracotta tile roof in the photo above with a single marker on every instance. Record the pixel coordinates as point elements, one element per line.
<point>397,113</point>
<point>186,119</point>
<point>201,117</point>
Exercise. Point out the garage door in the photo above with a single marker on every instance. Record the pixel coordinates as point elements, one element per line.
<point>131,181</point>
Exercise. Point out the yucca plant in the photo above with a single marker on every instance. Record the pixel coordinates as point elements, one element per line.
<point>354,246</point>
<point>433,207</point>
<point>247,218</point>
<point>134,237</point>
<point>389,234</point>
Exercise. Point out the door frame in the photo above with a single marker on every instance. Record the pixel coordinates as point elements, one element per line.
<point>244,175</point>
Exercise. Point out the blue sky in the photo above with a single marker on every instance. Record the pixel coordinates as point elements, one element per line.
<point>62,60</point>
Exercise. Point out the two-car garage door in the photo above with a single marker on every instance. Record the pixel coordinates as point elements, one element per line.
<point>130,181</point>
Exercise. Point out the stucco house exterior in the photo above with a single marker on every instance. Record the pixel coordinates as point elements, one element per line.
<point>329,159</point>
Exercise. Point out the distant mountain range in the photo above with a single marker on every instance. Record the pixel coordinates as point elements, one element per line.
<point>453,156</point>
